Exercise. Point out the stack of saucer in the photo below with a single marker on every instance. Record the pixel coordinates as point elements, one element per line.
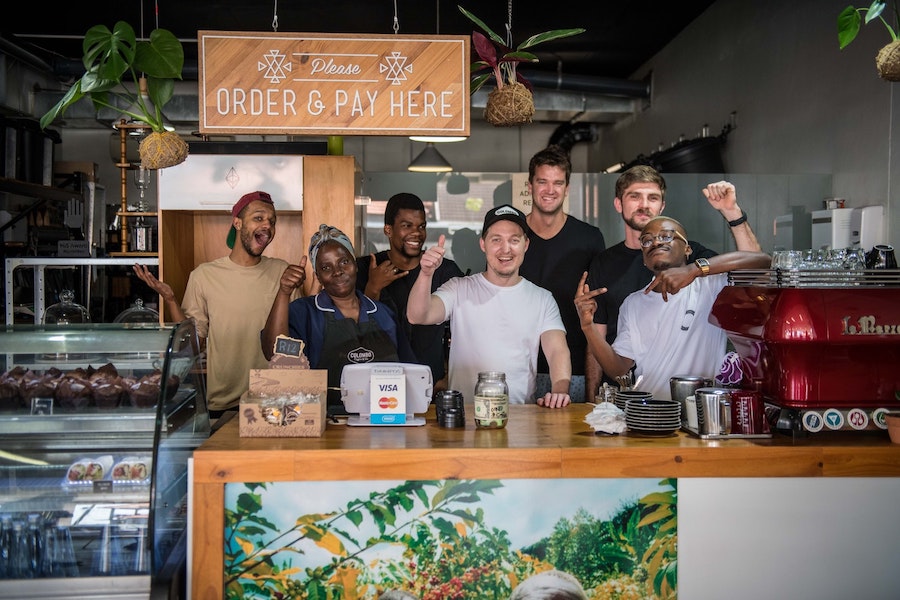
<point>623,396</point>
<point>653,417</point>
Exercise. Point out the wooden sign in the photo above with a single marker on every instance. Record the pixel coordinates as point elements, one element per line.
<point>333,84</point>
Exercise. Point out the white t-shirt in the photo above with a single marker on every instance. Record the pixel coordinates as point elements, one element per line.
<point>494,328</point>
<point>672,338</point>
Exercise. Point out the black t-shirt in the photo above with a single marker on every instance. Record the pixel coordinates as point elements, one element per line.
<point>557,265</point>
<point>427,341</point>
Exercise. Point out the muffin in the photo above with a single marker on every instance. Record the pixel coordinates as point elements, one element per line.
<point>73,393</point>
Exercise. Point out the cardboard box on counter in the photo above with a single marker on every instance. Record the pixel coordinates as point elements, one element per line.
<point>284,403</point>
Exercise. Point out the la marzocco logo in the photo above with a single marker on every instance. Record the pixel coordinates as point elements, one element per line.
<point>867,325</point>
<point>361,355</point>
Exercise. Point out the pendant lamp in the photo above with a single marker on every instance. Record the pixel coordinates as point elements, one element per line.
<point>429,161</point>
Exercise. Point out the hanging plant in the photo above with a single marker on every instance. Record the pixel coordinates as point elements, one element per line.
<point>887,61</point>
<point>110,55</point>
<point>511,102</point>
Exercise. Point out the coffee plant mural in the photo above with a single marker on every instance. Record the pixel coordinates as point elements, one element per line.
<point>435,540</point>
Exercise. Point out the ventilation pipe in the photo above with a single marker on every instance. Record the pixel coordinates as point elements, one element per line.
<point>568,134</point>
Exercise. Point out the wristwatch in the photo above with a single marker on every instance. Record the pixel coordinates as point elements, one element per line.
<point>703,265</point>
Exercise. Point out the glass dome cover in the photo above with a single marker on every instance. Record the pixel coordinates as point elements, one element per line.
<point>66,311</point>
<point>137,313</point>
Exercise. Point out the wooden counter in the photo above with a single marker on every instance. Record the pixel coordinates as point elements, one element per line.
<point>537,443</point>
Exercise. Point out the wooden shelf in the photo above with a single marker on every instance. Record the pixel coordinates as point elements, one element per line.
<point>133,213</point>
<point>119,254</point>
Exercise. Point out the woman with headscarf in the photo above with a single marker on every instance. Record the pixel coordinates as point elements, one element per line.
<point>340,325</point>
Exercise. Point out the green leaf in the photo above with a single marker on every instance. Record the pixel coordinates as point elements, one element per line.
<point>162,56</point>
<point>481,24</point>
<point>479,81</point>
<point>112,52</point>
<point>875,10</point>
<point>848,26</point>
<point>548,36</point>
<point>519,57</point>
<point>71,97</point>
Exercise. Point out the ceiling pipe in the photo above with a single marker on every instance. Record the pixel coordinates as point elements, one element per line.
<point>581,83</point>
<point>568,134</point>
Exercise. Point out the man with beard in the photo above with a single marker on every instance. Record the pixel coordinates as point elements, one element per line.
<point>389,275</point>
<point>229,299</point>
<point>641,196</point>
<point>560,250</point>
<point>664,329</point>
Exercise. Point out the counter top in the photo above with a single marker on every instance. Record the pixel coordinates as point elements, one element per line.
<point>536,443</point>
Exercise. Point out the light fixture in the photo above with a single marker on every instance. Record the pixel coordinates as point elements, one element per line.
<point>437,139</point>
<point>429,161</point>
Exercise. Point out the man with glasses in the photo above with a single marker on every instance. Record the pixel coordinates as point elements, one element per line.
<point>641,196</point>
<point>664,329</point>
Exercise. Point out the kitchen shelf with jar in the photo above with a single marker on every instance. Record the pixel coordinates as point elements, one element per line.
<point>99,469</point>
<point>136,227</point>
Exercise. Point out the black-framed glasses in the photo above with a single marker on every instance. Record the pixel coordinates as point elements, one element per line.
<point>665,236</point>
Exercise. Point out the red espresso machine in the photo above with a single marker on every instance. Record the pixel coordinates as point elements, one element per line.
<point>823,347</point>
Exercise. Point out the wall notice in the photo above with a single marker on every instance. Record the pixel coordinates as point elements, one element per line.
<point>333,84</point>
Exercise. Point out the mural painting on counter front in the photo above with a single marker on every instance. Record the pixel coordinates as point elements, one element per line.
<point>440,539</point>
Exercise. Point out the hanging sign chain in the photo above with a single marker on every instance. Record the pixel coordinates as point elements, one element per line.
<point>275,18</point>
<point>509,23</point>
<point>396,20</point>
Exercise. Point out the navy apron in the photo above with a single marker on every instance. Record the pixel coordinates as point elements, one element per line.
<point>346,342</point>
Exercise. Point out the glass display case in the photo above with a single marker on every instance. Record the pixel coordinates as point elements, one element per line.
<point>97,423</point>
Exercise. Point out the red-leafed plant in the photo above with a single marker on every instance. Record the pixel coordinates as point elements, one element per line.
<point>500,60</point>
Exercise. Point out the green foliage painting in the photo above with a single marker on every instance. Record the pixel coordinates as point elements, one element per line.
<point>449,539</point>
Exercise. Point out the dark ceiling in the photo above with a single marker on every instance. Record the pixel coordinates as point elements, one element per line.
<point>620,36</point>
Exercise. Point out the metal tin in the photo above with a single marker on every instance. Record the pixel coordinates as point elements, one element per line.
<point>450,409</point>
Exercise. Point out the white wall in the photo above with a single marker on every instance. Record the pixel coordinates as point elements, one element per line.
<point>803,539</point>
<point>803,106</point>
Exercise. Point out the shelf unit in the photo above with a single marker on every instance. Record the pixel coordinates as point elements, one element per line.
<point>40,264</point>
<point>126,129</point>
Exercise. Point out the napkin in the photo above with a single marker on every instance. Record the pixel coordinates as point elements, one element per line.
<point>606,417</point>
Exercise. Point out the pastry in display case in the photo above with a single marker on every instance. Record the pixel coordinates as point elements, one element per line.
<point>98,422</point>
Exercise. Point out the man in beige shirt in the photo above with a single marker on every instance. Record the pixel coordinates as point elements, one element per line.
<point>229,300</point>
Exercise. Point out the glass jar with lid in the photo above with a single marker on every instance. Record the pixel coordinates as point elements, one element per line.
<point>491,400</point>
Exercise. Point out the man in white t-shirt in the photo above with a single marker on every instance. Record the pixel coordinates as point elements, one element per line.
<point>498,319</point>
<point>664,329</point>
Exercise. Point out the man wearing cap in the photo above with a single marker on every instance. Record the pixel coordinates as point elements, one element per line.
<point>389,275</point>
<point>498,319</point>
<point>229,299</point>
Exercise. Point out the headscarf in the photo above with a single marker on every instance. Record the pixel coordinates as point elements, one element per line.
<point>327,233</point>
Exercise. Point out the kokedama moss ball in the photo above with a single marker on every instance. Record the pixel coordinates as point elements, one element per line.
<point>510,105</point>
<point>888,62</point>
<point>161,150</point>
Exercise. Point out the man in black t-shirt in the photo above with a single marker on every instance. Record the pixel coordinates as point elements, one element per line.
<point>560,250</point>
<point>640,196</point>
<point>388,276</point>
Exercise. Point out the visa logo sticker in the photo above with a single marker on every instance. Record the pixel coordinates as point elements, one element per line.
<point>387,396</point>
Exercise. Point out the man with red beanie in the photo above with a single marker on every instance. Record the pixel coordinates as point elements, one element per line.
<point>229,300</point>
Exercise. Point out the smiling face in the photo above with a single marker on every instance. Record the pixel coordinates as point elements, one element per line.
<point>407,234</point>
<point>256,227</point>
<point>660,256</point>
<point>336,270</point>
<point>504,247</point>
<point>548,189</point>
<point>640,202</point>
